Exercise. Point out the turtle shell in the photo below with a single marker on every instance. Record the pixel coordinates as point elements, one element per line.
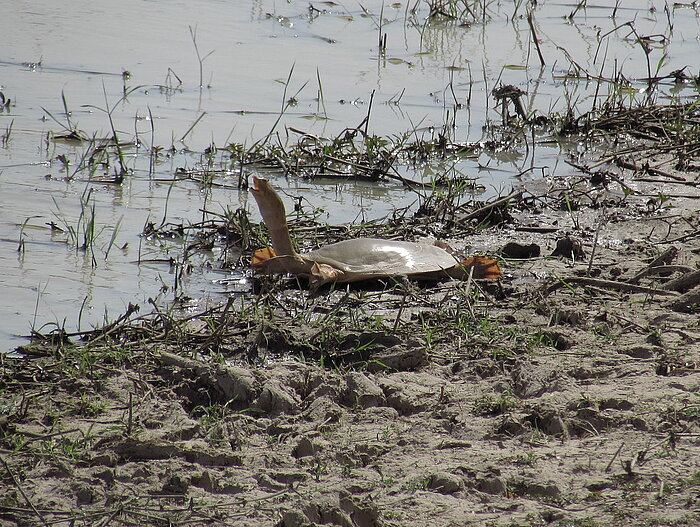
<point>373,258</point>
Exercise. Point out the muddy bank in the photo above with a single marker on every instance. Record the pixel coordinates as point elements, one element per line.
<point>564,394</point>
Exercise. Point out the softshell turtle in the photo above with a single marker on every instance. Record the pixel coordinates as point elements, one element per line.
<point>357,259</point>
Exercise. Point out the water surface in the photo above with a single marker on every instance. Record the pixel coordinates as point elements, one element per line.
<point>254,56</point>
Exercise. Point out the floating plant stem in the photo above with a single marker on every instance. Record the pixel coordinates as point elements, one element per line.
<point>189,130</point>
<point>200,59</point>
<point>534,37</point>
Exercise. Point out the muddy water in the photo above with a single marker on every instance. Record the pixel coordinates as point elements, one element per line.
<point>253,56</point>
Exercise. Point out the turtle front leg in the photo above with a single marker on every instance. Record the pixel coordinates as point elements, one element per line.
<point>322,274</point>
<point>318,273</point>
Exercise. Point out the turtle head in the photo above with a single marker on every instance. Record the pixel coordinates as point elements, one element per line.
<point>267,199</point>
<point>272,211</point>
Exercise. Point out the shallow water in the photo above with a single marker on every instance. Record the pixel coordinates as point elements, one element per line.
<point>249,49</point>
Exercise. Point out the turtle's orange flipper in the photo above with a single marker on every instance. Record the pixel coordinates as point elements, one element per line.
<point>484,267</point>
<point>260,256</point>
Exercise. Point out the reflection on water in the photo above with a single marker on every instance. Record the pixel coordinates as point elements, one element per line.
<point>71,63</point>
